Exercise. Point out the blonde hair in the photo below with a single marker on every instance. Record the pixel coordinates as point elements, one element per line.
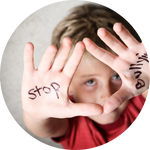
<point>84,21</point>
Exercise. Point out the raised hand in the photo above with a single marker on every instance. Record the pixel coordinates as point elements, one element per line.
<point>45,90</point>
<point>131,64</point>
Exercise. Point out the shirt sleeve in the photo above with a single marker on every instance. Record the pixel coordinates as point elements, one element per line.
<point>67,135</point>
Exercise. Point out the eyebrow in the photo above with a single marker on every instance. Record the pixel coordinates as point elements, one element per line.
<point>83,76</point>
<point>89,75</point>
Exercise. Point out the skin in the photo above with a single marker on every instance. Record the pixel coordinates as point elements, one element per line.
<point>96,82</point>
<point>103,102</point>
<point>104,98</point>
<point>127,55</point>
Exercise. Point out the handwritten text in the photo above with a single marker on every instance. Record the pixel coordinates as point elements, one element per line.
<point>34,92</point>
<point>140,83</point>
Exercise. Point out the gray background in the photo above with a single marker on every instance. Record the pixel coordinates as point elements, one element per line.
<point>37,28</point>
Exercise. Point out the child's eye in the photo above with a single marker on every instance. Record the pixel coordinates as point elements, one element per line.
<point>90,82</point>
<point>116,77</point>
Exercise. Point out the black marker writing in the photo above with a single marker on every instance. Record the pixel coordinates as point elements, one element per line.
<point>34,95</point>
<point>138,73</point>
<point>47,90</point>
<point>136,64</point>
<point>143,58</point>
<point>147,53</point>
<point>140,83</point>
<point>38,90</point>
<point>134,68</point>
<point>56,88</point>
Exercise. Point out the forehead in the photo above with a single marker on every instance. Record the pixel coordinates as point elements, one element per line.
<point>90,65</point>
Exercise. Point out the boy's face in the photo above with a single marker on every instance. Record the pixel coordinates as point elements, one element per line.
<point>93,81</point>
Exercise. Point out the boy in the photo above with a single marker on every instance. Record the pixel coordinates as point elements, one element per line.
<point>82,102</point>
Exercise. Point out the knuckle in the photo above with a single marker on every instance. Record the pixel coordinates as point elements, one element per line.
<point>113,43</point>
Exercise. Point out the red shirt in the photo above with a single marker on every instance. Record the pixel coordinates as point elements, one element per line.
<point>83,133</point>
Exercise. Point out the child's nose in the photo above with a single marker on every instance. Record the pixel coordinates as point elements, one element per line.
<point>103,99</point>
<point>105,93</point>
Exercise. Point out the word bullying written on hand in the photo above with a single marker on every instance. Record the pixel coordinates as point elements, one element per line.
<point>140,83</point>
<point>47,90</point>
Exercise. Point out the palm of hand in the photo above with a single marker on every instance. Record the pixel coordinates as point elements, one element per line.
<point>42,92</point>
<point>39,93</point>
<point>131,64</point>
<point>45,90</point>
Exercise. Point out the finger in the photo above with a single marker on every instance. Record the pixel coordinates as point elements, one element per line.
<point>99,53</point>
<point>47,58</point>
<point>74,60</point>
<point>125,35</point>
<point>84,109</point>
<point>111,41</point>
<point>117,99</point>
<point>62,55</point>
<point>73,110</point>
<point>28,58</point>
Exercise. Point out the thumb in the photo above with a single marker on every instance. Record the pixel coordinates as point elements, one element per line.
<point>85,109</point>
<point>117,99</point>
